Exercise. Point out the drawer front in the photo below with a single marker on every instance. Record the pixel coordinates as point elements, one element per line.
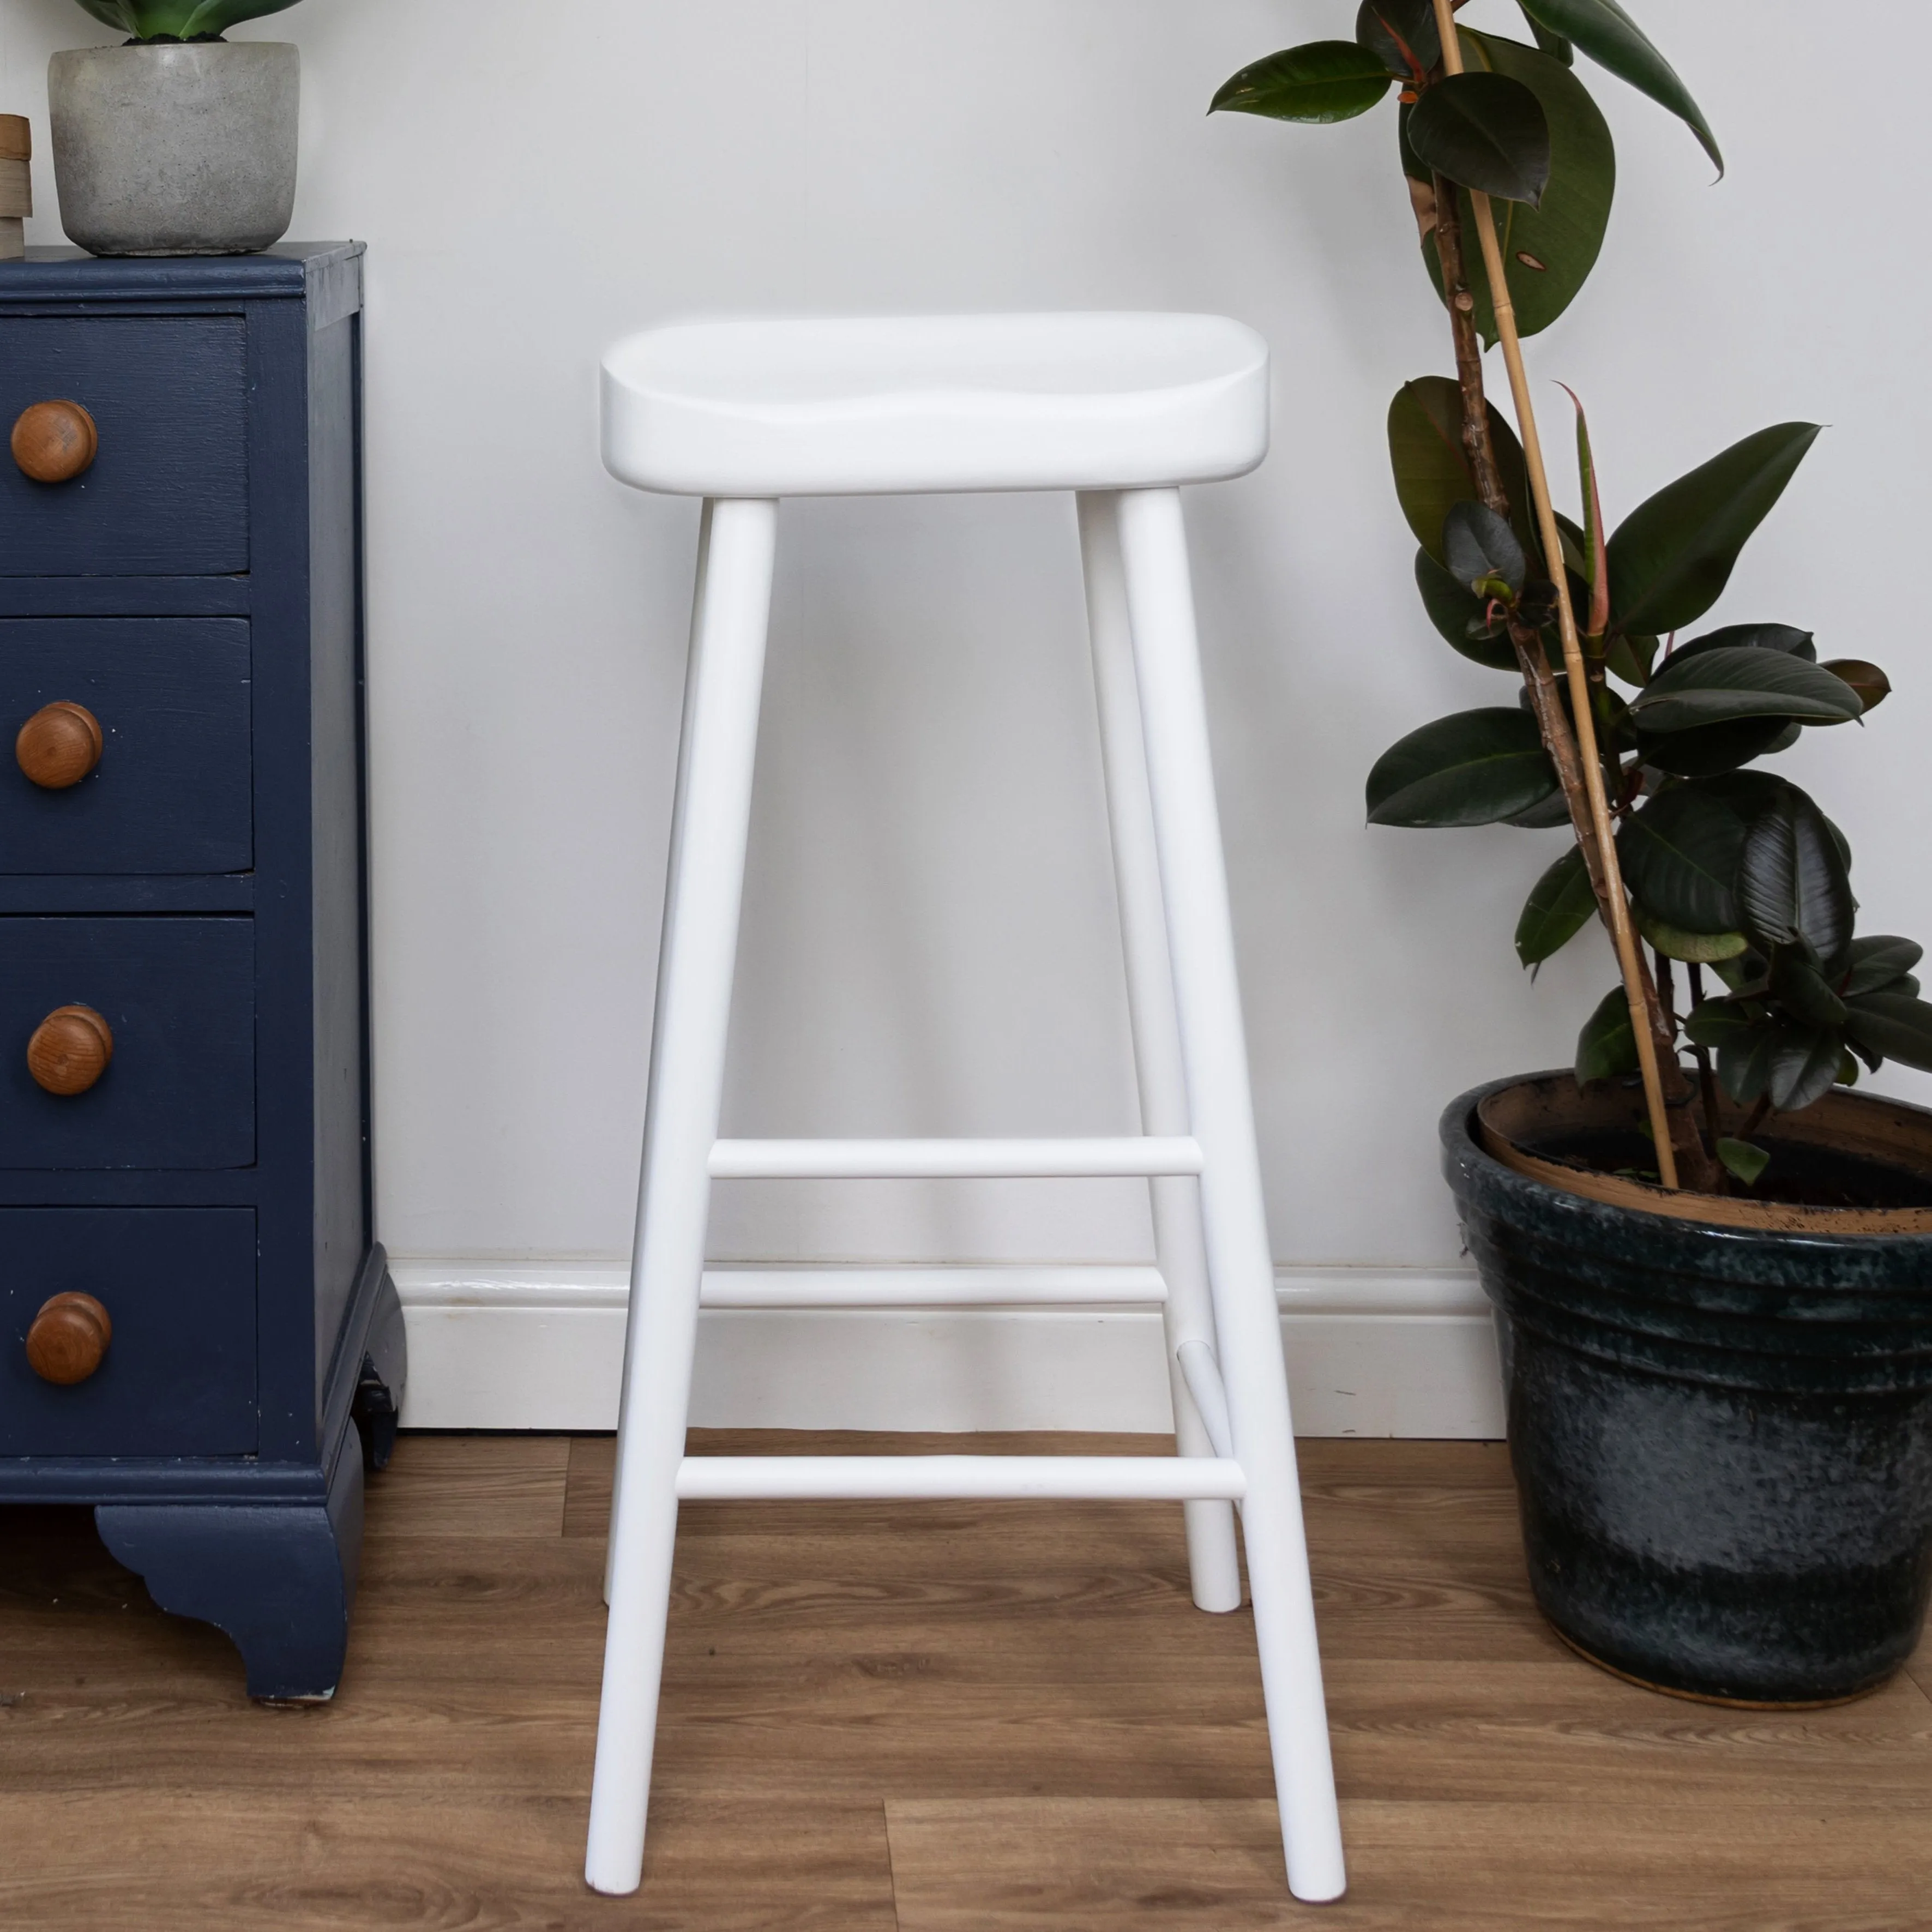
<point>179,997</point>
<point>166,495</point>
<point>178,1285</point>
<point>172,793</point>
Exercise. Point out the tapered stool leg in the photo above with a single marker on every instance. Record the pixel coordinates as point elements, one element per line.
<point>694,1001</point>
<point>666,947</point>
<point>1213,1562</point>
<point>1240,1264</point>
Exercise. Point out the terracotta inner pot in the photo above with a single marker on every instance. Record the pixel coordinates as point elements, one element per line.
<point>1536,1128</point>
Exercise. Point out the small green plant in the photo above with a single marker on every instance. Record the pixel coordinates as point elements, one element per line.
<point>179,20</point>
<point>1720,869</point>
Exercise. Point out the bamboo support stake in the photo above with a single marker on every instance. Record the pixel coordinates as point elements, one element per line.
<point>1621,933</point>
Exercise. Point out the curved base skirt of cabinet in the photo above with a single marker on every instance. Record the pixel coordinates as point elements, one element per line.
<point>267,1552</point>
<point>277,1579</point>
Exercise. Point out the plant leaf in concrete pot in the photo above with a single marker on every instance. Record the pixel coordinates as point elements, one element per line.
<point>1711,1262</point>
<point>178,141</point>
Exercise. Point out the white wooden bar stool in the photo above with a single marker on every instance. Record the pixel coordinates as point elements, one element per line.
<point>1122,409</point>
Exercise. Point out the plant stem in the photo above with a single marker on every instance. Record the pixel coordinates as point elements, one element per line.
<point>1546,702</point>
<point>1756,1118</point>
<point>1479,444</point>
<point>1674,1128</point>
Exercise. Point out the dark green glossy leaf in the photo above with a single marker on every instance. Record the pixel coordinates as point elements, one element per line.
<point>1402,34</point>
<point>1671,559</point>
<point>1561,903</point>
<point>1894,1024</point>
<point>1681,854</point>
<point>1879,962</point>
<point>1553,811</point>
<point>1744,1160</point>
<point>1548,250</point>
<point>1593,613</point>
<point>1606,1047</point>
<point>1631,658</point>
<point>1803,991</point>
<point>1738,681</point>
<point>1483,553</point>
<point>1870,683</point>
<point>1432,468</point>
<point>1460,616</point>
<point>1323,81</point>
<point>1557,46</point>
<point>1716,748</point>
<point>1718,1024</point>
<point>1746,975</point>
<point>1874,1061</point>
<point>1783,638</point>
<point>1793,888</point>
<point>180,19</point>
<point>1840,844</point>
<point>1411,164</point>
<point>1613,39</point>
<point>1476,768</point>
<point>1792,1065</point>
<point>1485,131</point>
<point>1698,949</point>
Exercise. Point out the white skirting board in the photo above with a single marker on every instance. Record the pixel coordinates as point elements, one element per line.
<point>1397,1352</point>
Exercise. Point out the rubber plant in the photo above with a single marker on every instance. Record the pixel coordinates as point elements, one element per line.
<point>149,20</point>
<point>1644,741</point>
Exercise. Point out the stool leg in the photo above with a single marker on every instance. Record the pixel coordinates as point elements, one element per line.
<point>694,1003</point>
<point>667,945</point>
<point>1240,1264</point>
<point>1213,1561</point>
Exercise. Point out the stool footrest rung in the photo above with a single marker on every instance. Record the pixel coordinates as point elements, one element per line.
<point>943,1478</point>
<point>1001,1285</point>
<point>1140,1157</point>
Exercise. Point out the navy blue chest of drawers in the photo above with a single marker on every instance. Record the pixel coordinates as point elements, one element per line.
<point>187,1162</point>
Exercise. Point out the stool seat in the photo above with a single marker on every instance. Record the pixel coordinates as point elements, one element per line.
<point>902,403</point>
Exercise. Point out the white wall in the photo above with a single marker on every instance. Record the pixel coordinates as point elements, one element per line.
<point>928,941</point>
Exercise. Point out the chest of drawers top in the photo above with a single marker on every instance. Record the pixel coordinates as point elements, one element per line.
<point>187,370</point>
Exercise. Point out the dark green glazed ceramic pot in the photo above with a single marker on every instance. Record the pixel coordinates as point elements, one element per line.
<point>1722,1437</point>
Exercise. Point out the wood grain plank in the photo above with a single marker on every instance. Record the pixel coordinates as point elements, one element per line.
<point>1062,1738</point>
<point>1095,1865</point>
<point>586,1508</point>
<point>472,1485</point>
<point>314,1857</point>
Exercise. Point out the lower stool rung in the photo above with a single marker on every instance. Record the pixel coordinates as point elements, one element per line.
<point>1000,1286</point>
<point>1140,1157</point>
<point>943,1478</point>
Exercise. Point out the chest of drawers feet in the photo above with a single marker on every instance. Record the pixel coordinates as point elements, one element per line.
<point>198,1334</point>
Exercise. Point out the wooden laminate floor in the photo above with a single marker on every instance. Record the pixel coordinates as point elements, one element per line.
<point>945,1717</point>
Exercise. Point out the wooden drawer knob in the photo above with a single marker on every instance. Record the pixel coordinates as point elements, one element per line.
<point>59,744</point>
<point>69,1340</point>
<point>70,1050</point>
<point>55,442</point>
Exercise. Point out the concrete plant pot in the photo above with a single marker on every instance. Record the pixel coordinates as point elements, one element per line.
<point>175,148</point>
